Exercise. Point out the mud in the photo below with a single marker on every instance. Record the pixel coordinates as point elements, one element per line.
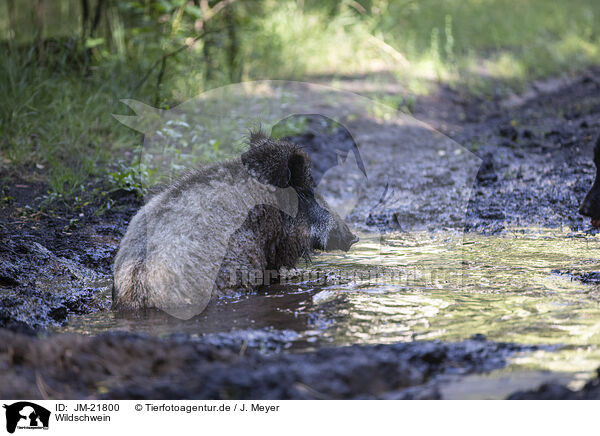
<point>56,263</point>
<point>126,366</point>
<point>536,152</point>
<point>554,391</point>
<point>536,168</point>
<point>537,163</point>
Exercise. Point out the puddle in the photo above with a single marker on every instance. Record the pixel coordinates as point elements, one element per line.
<point>418,286</point>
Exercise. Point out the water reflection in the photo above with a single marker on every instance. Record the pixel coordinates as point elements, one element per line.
<point>442,286</point>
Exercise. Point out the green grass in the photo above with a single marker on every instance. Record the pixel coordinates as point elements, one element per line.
<point>58,120</point>
<point>469,43</point>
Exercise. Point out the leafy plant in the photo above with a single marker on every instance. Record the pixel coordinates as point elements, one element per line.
<point>136,179</point>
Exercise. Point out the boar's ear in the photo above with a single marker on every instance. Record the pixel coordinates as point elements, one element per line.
<point>268,162</point>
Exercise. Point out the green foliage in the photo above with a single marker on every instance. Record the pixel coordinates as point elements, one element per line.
<point>289,127</point>
<point>135,178</point>
<point>402,103</point>
<point>5,199</point>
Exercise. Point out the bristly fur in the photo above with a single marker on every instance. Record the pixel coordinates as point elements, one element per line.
<point>257,137</point>
<point>168,241</point>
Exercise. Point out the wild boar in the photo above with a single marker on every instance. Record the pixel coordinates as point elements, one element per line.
<point>197,236</point>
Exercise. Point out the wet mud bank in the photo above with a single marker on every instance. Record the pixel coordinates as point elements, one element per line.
<point>536,154</point>
<point>126,366</point>
<point>553,391</point>
<point>54,264</point>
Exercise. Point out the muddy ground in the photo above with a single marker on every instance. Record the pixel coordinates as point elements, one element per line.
<point>127,366</point>
<point>536,152</point>
<point>50,268</point>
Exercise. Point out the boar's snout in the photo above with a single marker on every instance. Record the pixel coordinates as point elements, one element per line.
<point>328,230</point>
<point>340,237</point>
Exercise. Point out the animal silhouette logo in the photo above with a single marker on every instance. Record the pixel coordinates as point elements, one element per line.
<point>376,167</point>
<point>26,415</point>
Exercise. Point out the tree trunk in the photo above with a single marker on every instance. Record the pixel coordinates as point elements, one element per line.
<point>85,18</point>
<point>38,8</point>
<point>97,16</point>
<point>208,50</point>
<point>12,20</point>
<point>233,52</point>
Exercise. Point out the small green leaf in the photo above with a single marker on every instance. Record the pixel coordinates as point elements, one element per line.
<point>93,42</point>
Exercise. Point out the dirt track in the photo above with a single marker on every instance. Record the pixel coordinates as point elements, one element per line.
<point>536,168</point>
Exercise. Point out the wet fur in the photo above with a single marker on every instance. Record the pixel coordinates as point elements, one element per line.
<point>268,239</point>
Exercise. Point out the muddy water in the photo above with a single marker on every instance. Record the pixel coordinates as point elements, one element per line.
<point>519,287</point>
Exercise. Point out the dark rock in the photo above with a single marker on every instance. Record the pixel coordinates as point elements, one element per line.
<point>527,134</point>
<point>509,132</point>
